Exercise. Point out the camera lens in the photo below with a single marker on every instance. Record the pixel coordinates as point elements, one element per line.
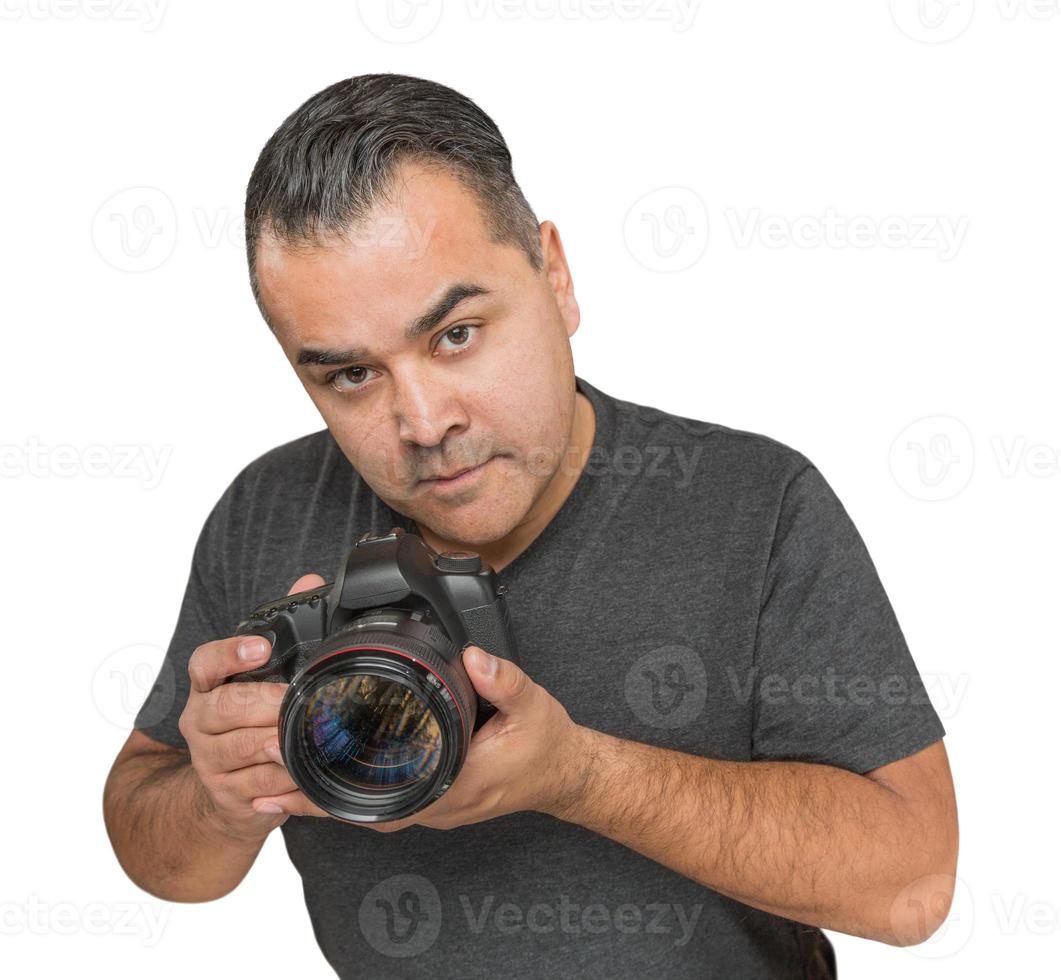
<point>378,723</point>
<point>368,732</point>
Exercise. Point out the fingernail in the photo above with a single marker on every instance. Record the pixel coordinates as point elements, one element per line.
<point>273,751</point>
<point>251,650</point>
<point>269,808</point>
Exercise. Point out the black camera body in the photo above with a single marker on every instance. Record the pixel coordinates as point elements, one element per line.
<point>379,711</point>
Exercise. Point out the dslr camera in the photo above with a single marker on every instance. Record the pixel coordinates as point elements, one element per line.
<point>379,711</point>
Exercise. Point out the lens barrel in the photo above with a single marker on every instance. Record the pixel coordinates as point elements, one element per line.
<point>377,724</point>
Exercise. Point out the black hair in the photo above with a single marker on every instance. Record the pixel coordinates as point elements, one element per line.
<point>336,156</point>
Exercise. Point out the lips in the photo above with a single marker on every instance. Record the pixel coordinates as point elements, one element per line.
<point>454,475</point>
<point>448,477</point>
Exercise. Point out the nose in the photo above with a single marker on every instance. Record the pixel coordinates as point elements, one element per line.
<point>427,409</point>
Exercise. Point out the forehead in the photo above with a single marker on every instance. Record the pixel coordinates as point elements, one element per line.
<point>429,231</point>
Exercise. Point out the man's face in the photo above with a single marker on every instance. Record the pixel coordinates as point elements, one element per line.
<point>485,382</point>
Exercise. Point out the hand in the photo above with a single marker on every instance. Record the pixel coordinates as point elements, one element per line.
<point>528,756</point>
<point>231,731</point>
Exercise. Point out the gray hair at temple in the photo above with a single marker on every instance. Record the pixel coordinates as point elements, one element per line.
<point>335,157</point>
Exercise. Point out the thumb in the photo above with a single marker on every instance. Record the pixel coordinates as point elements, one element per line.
<point>498,680</point>
<point>306,582</point>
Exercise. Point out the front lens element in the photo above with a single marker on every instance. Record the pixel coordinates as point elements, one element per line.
<point>367,733</point>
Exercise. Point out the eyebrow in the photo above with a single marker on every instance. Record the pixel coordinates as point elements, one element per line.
<point>427,321</point>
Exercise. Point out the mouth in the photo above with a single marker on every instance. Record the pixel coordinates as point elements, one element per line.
<point>457,478</point>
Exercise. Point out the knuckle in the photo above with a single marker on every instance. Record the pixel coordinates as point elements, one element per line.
<point>197,672</point>
<point>227,708</point>
<point>262,780</point>
<point>519,683</point>
<point>246,745</point>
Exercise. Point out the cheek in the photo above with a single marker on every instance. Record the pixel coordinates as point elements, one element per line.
<point>369,443</point>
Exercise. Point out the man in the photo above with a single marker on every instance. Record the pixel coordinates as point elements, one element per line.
<point>718,742</point>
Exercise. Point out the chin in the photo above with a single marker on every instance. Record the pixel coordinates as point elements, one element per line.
<point>475,526</point>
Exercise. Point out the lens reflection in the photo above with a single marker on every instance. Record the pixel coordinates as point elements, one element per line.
<point>369,732</point>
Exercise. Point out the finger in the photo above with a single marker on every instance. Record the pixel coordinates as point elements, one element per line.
<point>213,662</point>
<point>294,804</point>
<point>311,581</point>
<point>268,779</point>
<point>233,706</point>
<point>242,747</point>
<point>498,680</point>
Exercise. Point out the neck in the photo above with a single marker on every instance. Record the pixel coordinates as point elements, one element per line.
<point>500,553</point>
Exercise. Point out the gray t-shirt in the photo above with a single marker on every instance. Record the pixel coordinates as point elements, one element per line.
<point>701,589</point>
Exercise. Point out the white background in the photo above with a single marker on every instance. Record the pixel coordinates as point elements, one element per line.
<point>909,350</point>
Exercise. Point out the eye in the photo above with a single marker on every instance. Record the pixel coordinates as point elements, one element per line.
<point>348,378</point>
<point>459,335</point>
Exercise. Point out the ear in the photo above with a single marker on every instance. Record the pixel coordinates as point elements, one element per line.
<point>557,271</point>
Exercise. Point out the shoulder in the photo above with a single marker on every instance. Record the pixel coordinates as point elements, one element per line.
<point>288,472</point>
<point>720,455</point>
<point>316,450</point>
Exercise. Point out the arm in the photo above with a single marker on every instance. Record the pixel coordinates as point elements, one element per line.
<point>186,825</point>
<point>164,829</point>
<point>871,855</point>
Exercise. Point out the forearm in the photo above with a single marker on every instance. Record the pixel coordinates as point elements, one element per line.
<point>163,829</point>
<point>813,843</point>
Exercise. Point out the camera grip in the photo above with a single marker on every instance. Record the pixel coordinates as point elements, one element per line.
<point>490,627</point>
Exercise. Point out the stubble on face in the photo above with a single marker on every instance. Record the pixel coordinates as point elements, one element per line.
<point>508,397</point>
